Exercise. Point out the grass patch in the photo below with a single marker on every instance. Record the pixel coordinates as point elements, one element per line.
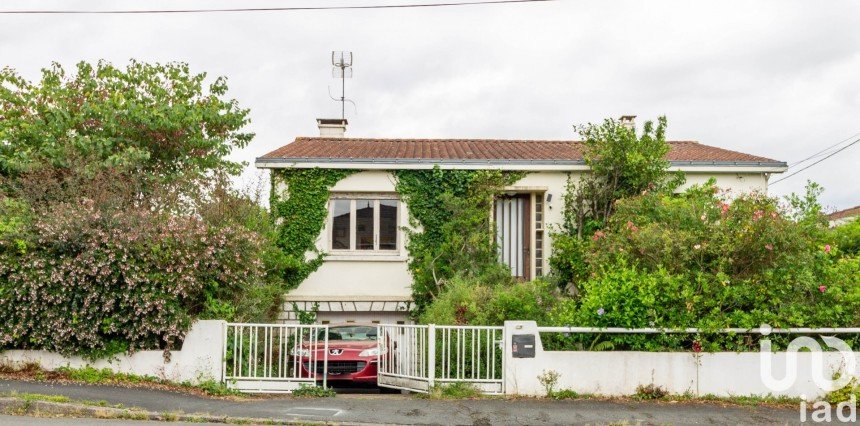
<point>566,394</point>
<point>743,400</point>
<point>92,375</point>
<point>38,397</point>
<point>29,397</point>
<point>456,390</point>
<point>105,376</point>
<point>313,391</point>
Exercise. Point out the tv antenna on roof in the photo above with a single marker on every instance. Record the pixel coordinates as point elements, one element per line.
<point>342,69</point>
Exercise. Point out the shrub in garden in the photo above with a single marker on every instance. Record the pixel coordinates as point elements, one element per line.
<point>470,301</point>
<point>699,260</point>
<point>97,281</point>
<point>117,225</point>
<point>847,238</point>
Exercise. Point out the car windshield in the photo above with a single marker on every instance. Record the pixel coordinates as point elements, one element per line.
<point>352,332</point>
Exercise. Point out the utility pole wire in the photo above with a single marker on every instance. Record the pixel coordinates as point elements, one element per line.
<point>263,9</point>
<point>797,163</point>
<point>828,156</point>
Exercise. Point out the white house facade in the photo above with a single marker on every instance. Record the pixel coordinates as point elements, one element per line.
<point>365,277</point>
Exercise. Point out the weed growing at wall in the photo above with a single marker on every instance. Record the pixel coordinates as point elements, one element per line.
<point>298,201</point>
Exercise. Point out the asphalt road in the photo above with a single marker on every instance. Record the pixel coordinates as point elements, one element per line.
<point>43,421</point>
<point>405,409</point>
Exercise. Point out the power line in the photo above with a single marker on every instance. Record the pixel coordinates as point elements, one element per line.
<point>828,156</point>
<point>262,9</point>
<point>819,153</point>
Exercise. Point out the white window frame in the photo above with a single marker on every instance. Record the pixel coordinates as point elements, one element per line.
<point>353,197</point>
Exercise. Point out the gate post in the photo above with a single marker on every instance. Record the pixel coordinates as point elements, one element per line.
<point>325,359</point>
<point>431,356</point>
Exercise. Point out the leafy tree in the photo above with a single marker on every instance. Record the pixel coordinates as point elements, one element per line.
<point>156,120</point>
<point>623,164</point>
<point>118,226</point>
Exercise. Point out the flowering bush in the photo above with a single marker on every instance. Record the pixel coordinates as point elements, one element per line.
<point>91,265</point>
<point>117,224</point>
<point>701,260</point>
<point>96,283</point>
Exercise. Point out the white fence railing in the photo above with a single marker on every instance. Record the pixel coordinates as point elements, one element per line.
<point>757,330</point>
<point>471,354</point>
<point>416,357</point>
<point>274,357</point>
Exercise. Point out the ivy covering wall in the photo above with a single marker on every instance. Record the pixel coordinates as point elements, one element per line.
<point>298,201</point>
<point>452,235</point>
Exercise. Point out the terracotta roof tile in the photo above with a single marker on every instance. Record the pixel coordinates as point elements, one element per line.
<point>853,211</point>
<point>490,150</point>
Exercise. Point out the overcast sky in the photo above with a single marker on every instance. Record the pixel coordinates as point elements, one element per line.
<point>779,79</point>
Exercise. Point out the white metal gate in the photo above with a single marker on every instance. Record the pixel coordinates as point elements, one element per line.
<point>274,357</point>
<point>417,357</point>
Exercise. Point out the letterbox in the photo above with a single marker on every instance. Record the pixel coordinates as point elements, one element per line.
<point>523,345</point>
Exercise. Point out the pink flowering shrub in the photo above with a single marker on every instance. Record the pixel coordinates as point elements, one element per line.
<point>96,281</point>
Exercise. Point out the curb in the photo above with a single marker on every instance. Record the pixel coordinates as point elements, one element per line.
<point>16,406</point>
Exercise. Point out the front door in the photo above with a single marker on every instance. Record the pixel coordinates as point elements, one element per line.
<point>512,233</point>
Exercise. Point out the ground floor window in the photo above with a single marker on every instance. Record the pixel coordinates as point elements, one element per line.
<point>366,224</point>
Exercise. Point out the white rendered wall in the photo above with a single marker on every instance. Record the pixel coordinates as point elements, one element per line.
<point>360,276</point>
<point>618,373</point>
<point>198,360</point>
<point>734,183</point>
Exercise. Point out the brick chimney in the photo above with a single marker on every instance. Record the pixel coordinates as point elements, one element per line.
<point>332,127</point>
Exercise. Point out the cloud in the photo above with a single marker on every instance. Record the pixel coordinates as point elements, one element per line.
<point>773,78</point>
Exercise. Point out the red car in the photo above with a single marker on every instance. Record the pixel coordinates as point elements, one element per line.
<point>353,354</point>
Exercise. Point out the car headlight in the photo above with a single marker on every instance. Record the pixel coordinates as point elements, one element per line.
<point>372,352</point>
<point>301,352</point>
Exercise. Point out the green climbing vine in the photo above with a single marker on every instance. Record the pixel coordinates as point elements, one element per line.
<point>300,213</point>
<point>449,212</point>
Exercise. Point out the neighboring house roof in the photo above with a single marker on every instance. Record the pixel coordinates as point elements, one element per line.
<point>842,214</point>
<point>342,151</point>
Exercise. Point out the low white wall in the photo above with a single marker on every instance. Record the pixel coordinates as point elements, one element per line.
<point>619,373</point>
<point>198,360</point>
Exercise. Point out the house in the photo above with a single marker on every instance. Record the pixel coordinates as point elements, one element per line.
<point>843,216</point>
<point>364,276</point>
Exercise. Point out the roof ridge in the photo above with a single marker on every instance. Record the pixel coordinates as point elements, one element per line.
<point>489,150</point>
<point>453,140</point>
